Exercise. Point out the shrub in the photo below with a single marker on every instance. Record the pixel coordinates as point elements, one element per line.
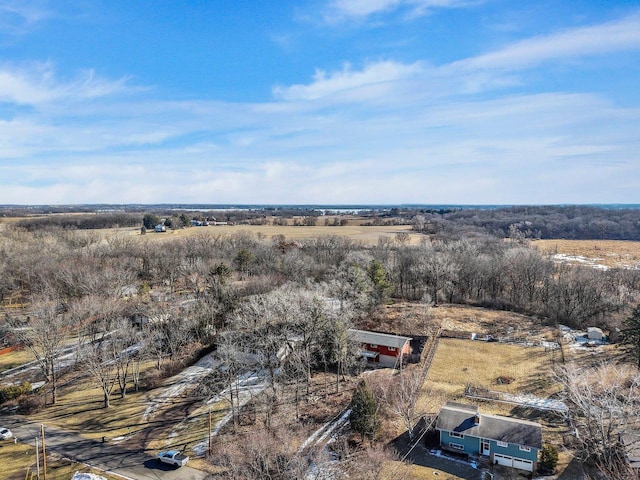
<point>14,391</point>
<point>30,404</point>
<point>364,411</point>
<point>548,460</point>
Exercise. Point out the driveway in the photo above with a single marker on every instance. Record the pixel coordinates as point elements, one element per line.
<point>116,459</point>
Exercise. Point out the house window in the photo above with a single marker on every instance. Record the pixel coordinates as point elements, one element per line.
<point>525,449</point>
<point>456,435</point>
<point>392,349</point>
<point>502,444</point>
<point>456,446</point>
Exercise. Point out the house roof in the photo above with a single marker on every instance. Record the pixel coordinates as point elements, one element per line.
<point>375,338</point>
<point>458,417</point>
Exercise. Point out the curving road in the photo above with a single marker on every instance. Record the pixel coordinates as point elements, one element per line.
<point>134,465</point>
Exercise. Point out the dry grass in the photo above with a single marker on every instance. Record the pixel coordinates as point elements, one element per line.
<point>16,460</point>
<point>80,409</point>
<point>418,318</point>
<point>15,359</point>
<point>394,470</point>
<point>458,362</point>
<point>612,253</point>
<point>359,233</point>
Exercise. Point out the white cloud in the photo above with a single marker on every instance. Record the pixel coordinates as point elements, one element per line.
<point>574,43</point>
<point>17,16</point>
<point>387,132</point>
<point>345,9</point>
<point>35,84</point>
<point>370,82</point>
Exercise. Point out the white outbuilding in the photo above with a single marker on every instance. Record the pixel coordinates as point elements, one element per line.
<point>594,333</point>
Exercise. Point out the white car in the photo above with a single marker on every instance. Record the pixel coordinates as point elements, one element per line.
<point>5,433</point>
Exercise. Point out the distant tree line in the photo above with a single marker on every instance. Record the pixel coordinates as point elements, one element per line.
<point>81,221</point>
<point>566,222</point>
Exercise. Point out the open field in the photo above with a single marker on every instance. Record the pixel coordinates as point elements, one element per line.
<point>610,253</point>
<point>482,363</point>
<point>354,230</point>
<point>364,234</point>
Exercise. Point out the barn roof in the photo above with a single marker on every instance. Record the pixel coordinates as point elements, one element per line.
<point>375,338</point>
<point>461,418</point>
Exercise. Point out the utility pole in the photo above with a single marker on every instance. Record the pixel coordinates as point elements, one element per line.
<point>44,454</point>
<point>210,441</point>
<point>37,457</point>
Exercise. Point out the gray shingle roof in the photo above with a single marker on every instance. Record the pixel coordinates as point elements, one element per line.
<point>458,417</point>
<point>375,338</point>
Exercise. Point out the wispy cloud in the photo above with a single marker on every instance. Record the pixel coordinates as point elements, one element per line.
<point>599,39</point>
<point>348,9</point>
<point>35,84</point>
<point>370,82</point>
<point>18,16</point>
<point>89,139</point>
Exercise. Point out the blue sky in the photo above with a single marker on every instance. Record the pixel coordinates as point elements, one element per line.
<point>319,101</point>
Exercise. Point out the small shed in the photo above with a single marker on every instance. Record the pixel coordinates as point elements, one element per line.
<point>594,333</point>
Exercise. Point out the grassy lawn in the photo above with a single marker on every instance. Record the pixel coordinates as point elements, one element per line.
<point>458,362</point>
<point>18,460</point>
<point>15,359</point>
<point>394,470</point>
<point>82,411</point>
<point>80,408</point>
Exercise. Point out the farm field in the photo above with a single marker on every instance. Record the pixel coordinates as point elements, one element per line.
<point>365,234</point>
<point>609,253</point>
<point>354,230</point>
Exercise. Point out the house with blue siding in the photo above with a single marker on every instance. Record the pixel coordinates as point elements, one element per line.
<point>505,441</point>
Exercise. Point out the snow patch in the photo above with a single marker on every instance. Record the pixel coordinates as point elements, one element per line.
<point>86,476</point>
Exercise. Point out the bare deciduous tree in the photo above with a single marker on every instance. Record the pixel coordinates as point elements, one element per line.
<point>603,403</point>
<point>45,335</point>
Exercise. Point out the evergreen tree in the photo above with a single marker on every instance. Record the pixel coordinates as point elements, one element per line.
<point>364,411</point>
<point>150,221</point>
<point>631,335</point>
<point>548,460</point>
<point>381,285</point>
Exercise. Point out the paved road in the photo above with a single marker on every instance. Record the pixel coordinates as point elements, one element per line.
<point>135,465</point>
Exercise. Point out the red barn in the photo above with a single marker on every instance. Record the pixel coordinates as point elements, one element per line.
<point>383,349</point>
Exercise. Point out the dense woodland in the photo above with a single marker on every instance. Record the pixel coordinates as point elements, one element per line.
<point>177,298</point>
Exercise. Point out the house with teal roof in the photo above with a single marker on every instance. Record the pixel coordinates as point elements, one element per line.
<point>503,440</point>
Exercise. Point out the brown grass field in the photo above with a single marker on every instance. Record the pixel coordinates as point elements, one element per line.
<point>358,233</point>
<point>612,253</point>
<point>458,362</point>
<point>354,230</point>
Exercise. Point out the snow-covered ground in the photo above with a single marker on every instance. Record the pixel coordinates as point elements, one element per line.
<point>329,468</point>
<point>86,476</point>
<point>579,259</point>
<point>178,384</point>
<point>247,386</point>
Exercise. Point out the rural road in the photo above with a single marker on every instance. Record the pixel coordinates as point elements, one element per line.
<point>115,459</point>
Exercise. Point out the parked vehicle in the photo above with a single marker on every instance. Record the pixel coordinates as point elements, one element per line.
<point>5,434</point>
<point>173,457</point>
